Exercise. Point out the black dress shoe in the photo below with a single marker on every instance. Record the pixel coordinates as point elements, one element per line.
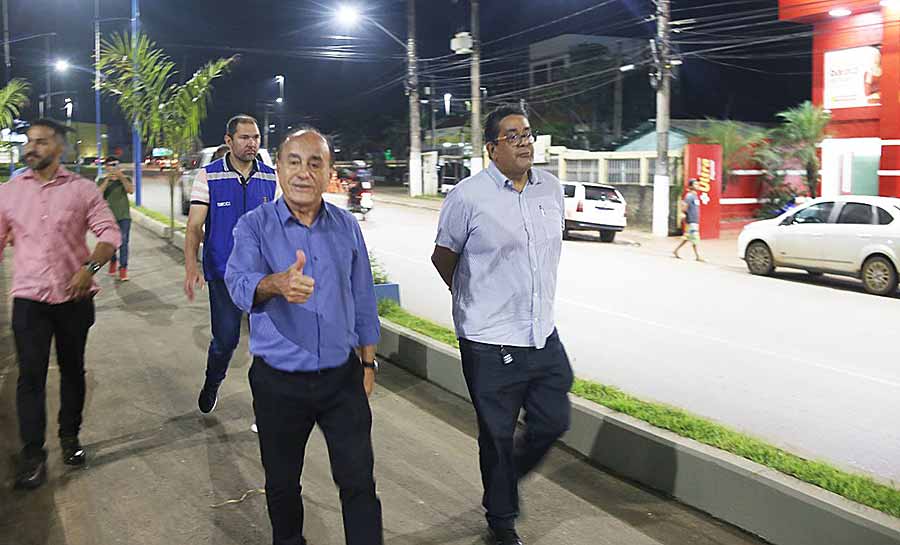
<point>72,452</point>
<point>31,473</point>
<point>506,536</point>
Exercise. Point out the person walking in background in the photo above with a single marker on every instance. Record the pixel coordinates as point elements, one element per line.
<point>50,210</point>
<point>497,248</point>
<point>300,267</point>
<point>223,191</point>
<point>689,208</point>
<point>116,187</point>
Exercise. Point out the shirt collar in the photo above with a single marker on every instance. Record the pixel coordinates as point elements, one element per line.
<point>62,175</point>
<point>229,168</point>
<point>501,180</point>
<point>285,215</point>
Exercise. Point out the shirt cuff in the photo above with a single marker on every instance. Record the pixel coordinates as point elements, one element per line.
<point>111,236</point>
<point>447,242</point>
<point>369,336</point>
<point>246,291</point>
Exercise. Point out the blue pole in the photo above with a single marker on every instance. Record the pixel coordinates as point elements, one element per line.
<point>136,135</point>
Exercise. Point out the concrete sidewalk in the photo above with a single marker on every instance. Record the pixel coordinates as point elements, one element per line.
<point>160,473</point>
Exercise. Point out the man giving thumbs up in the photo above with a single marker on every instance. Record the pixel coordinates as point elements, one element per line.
<point>301,269</point>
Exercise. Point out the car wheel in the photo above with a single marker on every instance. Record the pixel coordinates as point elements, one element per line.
<point>879,276</point>
<point>607,236</point>
<point>759,258</point>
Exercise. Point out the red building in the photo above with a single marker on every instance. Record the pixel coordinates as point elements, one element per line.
<point>856,75</point>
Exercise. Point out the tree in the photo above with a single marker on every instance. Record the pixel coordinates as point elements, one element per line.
<point>738,143</point>
<point>804,128</point>
<point>12,98</point>
<point>141,77</point>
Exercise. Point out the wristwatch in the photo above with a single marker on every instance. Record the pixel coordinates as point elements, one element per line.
<point>371,365</point>
<point>92,267</point>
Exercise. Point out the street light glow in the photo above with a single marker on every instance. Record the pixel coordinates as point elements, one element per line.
<point>447,98</point>
<point>61,65</point>
<point>626,68</point>
<point>279,100</point>
<point>840,12</point>
<point>279,79</point>
<point>348,15</point>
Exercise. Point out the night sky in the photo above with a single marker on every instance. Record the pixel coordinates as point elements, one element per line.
<point>293,37</point>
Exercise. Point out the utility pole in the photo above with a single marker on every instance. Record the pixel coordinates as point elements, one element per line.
<point>48,104</point>
<point>136,133</point>
<point>97,114</point>
<point>415,130</point>
<point>266,127</point>
<point>476,164</point>
<point>663,101</point>
<point>6,60</point>
<point>618,98</point>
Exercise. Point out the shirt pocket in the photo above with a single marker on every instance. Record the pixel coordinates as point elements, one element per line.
<point>547,218</point>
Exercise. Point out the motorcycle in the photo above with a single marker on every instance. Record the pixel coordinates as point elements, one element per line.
<point>359,200</point>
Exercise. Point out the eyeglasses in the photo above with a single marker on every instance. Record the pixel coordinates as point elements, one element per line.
<point>516,139</point>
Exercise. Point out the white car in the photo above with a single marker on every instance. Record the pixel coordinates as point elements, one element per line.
<point>850,235</point>
<point>594,207</point>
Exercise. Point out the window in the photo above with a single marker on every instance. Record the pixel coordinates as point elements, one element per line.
<point>594,193</point>
<point>817,213</point>
<point>541,74</point>
<point>884,217</point>
<point>624,171</point>
<point>569,191</point>
<point>557,70</point>
<point>856,213</point>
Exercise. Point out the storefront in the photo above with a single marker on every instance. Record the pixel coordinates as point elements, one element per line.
<point>856,76</point>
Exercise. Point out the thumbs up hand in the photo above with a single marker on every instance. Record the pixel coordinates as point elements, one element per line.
<point>295,286</point>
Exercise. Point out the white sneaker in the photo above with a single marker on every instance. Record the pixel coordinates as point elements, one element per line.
<point>253,428</point>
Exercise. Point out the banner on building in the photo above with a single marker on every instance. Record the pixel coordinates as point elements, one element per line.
<point>852,78</point>
<point>703,162</point>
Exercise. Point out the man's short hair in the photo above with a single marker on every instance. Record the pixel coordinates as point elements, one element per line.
<point>310,128</point>
<point>232,126</point>
<point>111,159</point>
<point>492,123</point>
<point>692,182</point>
<point>58,128</point>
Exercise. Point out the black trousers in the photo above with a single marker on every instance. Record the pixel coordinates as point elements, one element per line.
<point>287,406</point>
<point>536,380</point>
<point>34,325</point>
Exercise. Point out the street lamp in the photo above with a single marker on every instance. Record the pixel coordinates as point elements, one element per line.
<point>62,66</point>
<point>447,101</point>
<point>348,15</point>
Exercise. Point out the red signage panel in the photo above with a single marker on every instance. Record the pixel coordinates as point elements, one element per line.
<point>703,162</point>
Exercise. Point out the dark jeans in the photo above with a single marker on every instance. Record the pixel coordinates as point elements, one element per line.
<point>226,331</point>
<point>287,406</point>
<point>125,229</point>
<point>34,324</point>
<point>539,382</point>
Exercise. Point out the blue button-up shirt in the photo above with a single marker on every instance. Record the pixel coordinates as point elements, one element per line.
<point>509,246</point>
<point>341,314</point>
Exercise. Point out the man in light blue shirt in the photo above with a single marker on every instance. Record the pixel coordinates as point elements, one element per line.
<point>498,247</point>
<point>300,268</point>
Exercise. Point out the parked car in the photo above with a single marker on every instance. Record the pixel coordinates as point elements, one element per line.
<point>186,180</point>
<point>594,207</point>
<point>856,236</point>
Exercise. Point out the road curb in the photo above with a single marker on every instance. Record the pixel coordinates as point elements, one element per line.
<point>779,508</point>
<point>157,228</point>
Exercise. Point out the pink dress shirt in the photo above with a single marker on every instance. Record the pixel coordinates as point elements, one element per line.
<point>49,223</point>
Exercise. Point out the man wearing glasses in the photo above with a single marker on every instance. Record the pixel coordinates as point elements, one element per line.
<point>498,246</point>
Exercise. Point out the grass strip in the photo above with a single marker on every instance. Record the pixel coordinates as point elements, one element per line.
<point>858,488</point>
<point>162,218</point>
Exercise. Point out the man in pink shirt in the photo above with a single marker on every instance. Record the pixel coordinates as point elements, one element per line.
<point>49,210</point>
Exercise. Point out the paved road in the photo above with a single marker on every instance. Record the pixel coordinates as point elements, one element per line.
<point>159,473</point>
<point>155,194</point>
<point>811,366</point>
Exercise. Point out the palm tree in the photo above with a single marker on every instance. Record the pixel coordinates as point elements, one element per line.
<point>141,77</point>
<point>738,143</point>
<point>804,128</point>
<point>12,98</point>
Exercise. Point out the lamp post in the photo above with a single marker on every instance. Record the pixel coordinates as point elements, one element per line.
<point>350,16</point>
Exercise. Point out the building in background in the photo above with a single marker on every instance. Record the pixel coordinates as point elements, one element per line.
<point>856,75</point>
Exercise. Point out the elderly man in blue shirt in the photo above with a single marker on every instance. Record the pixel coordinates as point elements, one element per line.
<point>300,268</point>
<point>498,246</point>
